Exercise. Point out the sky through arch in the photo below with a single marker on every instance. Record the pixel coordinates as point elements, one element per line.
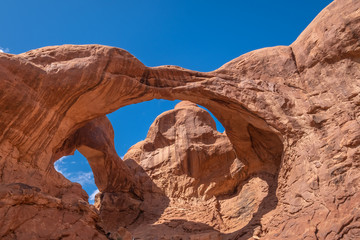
<point>131,124</point>
<point>199,35</point>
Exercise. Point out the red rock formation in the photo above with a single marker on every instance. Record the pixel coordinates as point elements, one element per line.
<point>291,114</point>
<point>181,151</point>
<point>196,169</point>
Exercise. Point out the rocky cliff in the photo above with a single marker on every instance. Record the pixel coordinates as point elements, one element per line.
<point>195,169</point>
<point>286,168</point>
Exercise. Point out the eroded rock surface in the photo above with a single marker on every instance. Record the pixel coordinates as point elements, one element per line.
<point>181,151</point>
<point>194,168</point>
<point>291,114</point>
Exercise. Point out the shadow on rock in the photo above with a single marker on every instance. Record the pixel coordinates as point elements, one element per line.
<point>126,209</point>
<point>254,228</point>
<point>177,229</point>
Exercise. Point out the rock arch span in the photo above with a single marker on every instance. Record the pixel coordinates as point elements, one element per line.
<point>276,104</point>
<point>257,144</point>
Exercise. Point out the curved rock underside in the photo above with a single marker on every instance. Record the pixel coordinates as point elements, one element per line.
<point>286,168</point>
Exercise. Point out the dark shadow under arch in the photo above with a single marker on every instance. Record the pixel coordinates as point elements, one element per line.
<point>264,144</point>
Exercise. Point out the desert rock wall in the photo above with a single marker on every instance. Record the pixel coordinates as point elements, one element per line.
<point>291,115</point>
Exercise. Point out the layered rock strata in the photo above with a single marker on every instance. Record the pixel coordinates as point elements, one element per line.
<point>194,168</point>
<point>291,114</point>
<point>181,152</point>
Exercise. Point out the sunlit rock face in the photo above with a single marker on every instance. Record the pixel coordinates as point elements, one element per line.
<point>291,115</point>
<point>181,151</point>
<point>194,168</point>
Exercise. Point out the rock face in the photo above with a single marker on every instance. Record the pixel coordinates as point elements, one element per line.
<point>190,164</point>
<point>181,151</point>
<point>291,115</point>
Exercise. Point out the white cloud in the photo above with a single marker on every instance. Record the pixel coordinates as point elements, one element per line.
<point>81,177</point>
<point>4,50</point>
<point>92,196</point>
<point>68,168</point>
<point>59,166</point>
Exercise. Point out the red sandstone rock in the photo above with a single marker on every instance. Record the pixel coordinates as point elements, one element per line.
<point>181,151</point>
<point>176,161</point>
<point>291,114</point>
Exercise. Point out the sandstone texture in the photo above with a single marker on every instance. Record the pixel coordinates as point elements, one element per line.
<point>182,150</point>
<point>286,167</point>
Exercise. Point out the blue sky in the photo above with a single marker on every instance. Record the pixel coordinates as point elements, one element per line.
<point>199,35</point>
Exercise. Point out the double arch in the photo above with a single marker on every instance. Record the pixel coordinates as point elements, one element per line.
<point>105,79</point>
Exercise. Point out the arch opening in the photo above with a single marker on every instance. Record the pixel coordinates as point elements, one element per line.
<point>131,124</point>
<point>191,169</point>
<point>130,189</point>
<point>263,147</point>
<point>76,168</point>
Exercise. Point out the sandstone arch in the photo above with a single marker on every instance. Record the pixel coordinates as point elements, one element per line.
<point>289,95</point>
<point>257,144</point>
